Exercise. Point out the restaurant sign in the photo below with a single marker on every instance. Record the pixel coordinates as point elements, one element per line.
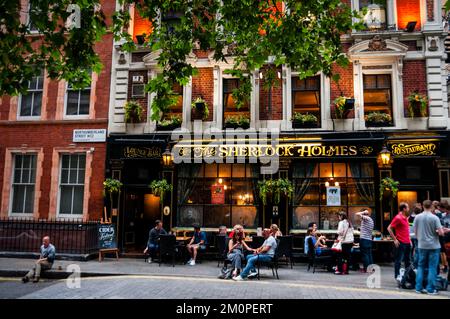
<point>141,152</point>
<point>413,149</point>
<point>282,150</point>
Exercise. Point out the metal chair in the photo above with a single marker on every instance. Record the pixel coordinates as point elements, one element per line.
<point>313,259</point>
<point>272,264</point>
<point>222,248</point>
<point>285,248</point>
<point>167,247</point>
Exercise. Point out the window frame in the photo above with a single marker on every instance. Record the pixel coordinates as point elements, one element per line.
<point>318,90</point>
<point>31,91</point>
<point>12,184</point>
<point>226,78</point>
<point>29,22</point>
<point>393,93</point>
<point>58,206</point>
<point>66,101</point>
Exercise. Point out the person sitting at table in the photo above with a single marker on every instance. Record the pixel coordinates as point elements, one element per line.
<point>264,253</point>
<point>236,248</point>
<point>318,241</point>
<point>223,230</point>
<point>275,231</point>
<point>153,238</point>
<point>238,228</point>
<point>198,242</point>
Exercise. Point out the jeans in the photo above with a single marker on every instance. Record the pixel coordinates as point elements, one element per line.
<point>427,258</point>
<point>236,257</point>
<point>365,247</point>
<point>251,261</point>
<point>153,248</point>
<point>402,253</point>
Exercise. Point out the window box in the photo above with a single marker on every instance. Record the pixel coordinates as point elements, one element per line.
<point>379,124</point>
<point>169,124</point>
<point>299,124</point>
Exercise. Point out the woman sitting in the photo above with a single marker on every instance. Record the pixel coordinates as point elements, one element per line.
<point>236,248</point>
<point>318,242</point>
<point>275,231</point>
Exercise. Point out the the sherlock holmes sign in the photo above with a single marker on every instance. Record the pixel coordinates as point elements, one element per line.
<point>281,150</point>
<point>413,149</point>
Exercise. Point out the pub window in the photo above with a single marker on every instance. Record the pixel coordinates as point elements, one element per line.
<point>378,100</point>
<point>78,101</point>
<point>71,185</point>
<point>23,185</point>
<point>31,102</point>
<point>217,194</point>
<point>231,110</point>
<point>306,97</point>
<point>311,202</point>
<point>375,17</point>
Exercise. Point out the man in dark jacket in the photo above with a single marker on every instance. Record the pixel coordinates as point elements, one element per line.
<point>153,239</point>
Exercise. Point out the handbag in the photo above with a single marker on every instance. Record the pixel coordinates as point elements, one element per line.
<point>337,246</point>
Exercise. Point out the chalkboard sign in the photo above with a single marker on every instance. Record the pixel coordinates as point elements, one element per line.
<point>107,236</point>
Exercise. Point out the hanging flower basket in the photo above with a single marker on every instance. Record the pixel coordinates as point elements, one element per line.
<point>417,105</point>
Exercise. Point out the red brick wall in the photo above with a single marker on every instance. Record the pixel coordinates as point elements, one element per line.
<point>408,10</point>
<point>48,136</point>
<point>276,100</point>
<point>414,78</point>
<point>345,85</point>
<point>203,86</point>
<point>51,134</point>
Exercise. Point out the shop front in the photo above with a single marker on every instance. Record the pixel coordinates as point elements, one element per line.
<point>217,184</point>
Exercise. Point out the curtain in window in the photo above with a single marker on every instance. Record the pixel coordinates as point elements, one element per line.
<point>365,188</point>
<point>255,169</point>
<point>306,171</point>
<point>187,174</point>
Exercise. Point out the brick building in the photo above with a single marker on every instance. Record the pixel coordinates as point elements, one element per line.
<point>400,53</point>
<point>46,172</point>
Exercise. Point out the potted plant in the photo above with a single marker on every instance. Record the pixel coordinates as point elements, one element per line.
<point>417,105</point>
<point>378,119</point>
<point>342,106</point>
<point>388,187</point>
<point>133,112</point>
<point>169,124</point>
<point>111,187</point>
<point>307,120</point>
<point>273,189</point>
<point>159,188</point>
<point>201,108</point>
<point>241,121</point>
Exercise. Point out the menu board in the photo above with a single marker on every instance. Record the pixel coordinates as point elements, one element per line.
<point>107,236</point>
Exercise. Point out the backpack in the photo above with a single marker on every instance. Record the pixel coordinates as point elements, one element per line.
<point>441,283</point>
<point>225,273</point>
<point>408,279</point>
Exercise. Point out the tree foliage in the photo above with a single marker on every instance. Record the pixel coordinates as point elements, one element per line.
<point>304,35</point>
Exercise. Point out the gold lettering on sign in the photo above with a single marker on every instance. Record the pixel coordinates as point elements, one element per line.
<point>301,150</point>
<point>417,149</point>
<point>141,152</point>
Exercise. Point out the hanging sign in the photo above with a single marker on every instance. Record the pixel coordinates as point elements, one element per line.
<point>217,194</point>
<point>333,196</point>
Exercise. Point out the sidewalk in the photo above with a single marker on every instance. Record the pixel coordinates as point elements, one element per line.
<point>14,267</point>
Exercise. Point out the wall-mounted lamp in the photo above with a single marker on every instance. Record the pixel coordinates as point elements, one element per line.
<point>411,26</point>
<point>167,157</point>
<point>384,157</point>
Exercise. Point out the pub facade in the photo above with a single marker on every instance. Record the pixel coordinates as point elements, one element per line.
<point>334,163</point>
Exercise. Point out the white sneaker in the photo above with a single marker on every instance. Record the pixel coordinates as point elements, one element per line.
<point>252,274</point>
<point>189,261</point>
<point>149,260</point>
<point>238,278</point>
<point>192,263</point>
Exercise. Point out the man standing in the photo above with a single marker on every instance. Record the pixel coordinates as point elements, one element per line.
<point>153,237</point>
<point>198,242</point>
<point>45,261</point>
<point>365,242</point>
<point>263,253</point>
<point>428,228</point>
<point>401,237</point>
